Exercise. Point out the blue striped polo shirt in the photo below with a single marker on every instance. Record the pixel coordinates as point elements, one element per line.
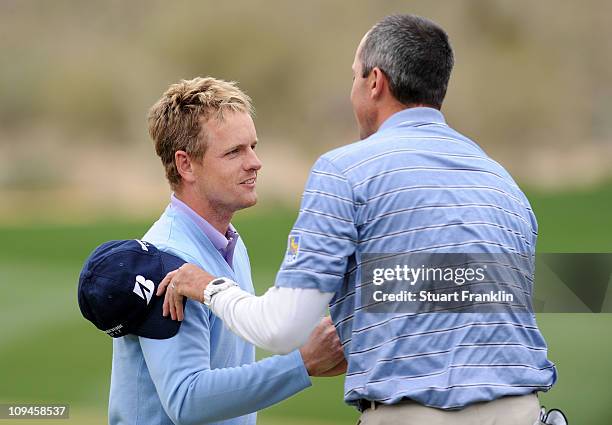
<point>417,185</point>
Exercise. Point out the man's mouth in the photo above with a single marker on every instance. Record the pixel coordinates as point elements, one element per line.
<point>249,181</point>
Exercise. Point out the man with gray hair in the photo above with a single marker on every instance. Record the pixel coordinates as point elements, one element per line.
<point>205,136</point>
<point>412,185</point>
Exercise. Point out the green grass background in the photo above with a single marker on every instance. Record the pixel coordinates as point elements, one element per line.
<point>48,353</point>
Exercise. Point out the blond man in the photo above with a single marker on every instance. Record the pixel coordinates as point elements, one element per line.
<point>204,134</point>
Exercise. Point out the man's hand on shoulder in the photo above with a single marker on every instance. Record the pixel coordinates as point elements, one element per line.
<point>188,281</point>
<point>322,353</point>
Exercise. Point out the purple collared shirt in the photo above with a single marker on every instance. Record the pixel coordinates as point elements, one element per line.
<point>225,244</point>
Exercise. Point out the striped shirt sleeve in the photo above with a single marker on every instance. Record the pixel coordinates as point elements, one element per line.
<point>324,235</point>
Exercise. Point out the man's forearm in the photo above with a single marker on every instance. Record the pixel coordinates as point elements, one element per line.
<point>192,396</point>
<point>278,321</point>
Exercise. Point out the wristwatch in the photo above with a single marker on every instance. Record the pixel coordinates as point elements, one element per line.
<point>216,286</point>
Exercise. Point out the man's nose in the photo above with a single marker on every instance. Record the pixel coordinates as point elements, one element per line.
<point>253,162</point>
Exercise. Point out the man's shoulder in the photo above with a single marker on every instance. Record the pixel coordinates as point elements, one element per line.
<point>339,161</point>
<point>349,156</point>
<point>170,234</point>
<point>174,233</point>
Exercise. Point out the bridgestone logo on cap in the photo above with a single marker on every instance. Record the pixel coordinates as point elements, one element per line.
<point>114,331</point>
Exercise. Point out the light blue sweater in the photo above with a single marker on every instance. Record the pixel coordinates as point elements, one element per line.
<point>205,374</point>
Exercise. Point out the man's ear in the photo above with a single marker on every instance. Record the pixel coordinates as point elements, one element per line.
<point>378,82</point>
<point>182,160</point>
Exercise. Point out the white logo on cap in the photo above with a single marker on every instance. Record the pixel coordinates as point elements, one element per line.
<point>143,245</point>
<point>144,288</point>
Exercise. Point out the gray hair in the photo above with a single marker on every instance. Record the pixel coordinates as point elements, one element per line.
<point>416,56</point>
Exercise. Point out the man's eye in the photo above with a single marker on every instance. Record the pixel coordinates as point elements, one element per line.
<point>253,147</point>
<point>235,151</point>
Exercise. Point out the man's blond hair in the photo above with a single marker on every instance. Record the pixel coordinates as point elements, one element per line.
<point>175,119</point>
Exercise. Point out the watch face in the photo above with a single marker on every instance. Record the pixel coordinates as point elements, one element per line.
<point>218,281</point>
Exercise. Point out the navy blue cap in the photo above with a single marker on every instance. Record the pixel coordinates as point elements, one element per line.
<point>117,289</point>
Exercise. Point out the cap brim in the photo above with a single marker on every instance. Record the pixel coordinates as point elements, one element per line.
<point>156,326</point>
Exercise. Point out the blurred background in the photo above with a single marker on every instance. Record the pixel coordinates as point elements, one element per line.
<point>532,85</point>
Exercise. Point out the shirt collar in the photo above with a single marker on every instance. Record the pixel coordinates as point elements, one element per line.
<point>219,241</point>
<point>413,116</point>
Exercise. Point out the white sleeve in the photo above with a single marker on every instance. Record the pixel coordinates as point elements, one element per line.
<point>279,321</point>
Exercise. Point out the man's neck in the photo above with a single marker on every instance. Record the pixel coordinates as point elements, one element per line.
<point>217,218</point>
<point>393,107</point>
